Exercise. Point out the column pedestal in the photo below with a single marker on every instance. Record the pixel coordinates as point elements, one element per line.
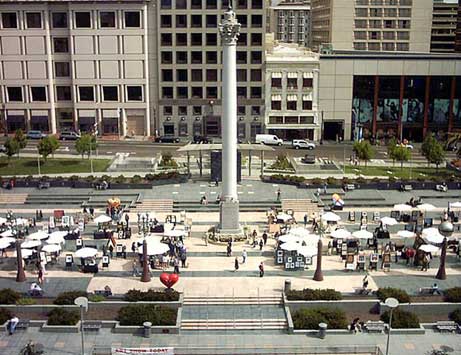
<point>229,218</point>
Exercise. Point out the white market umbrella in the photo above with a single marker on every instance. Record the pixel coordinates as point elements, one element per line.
<point>154,248</point>
<point>362,234</point>
<point>7,233</point>
<point>4,243</point>
<point>289,238</point>
<point>31,244</point>
<point>290,246</point>
<point>149,239</point>
<point>58,234</point>
<point>330,217</point>
<point>9,239</point>
<point>299,231</point>
<point>389,221</point>
<point>307,251</point>
<point>3,220</point>
<point>24,252</point>
<point>175,233</point>
<point>426,207</point>
<point>21,221</point>
<point>311,239</point>
<point>86,253</point>
<point>285,217</point>
<point>51,248</point>
<point>37,235</point>
<point>56,239</point>
<point>432,235</point>
<point>456,204</point>
<point>341,234</point>
<point>402,207</point>
<point>428,248</point>
<point>102,219</point>
<point>406,234</point>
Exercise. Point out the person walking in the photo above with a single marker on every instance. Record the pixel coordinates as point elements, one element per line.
<point>261,244</point>
<point>40,276</point>
<point>265,238</point>
<point>261,269</point>
<point>135,268</point>
<point>176,266</point>
<point>306,218</point>
<point>111,251</point>
<point>133,247</point>
<point>229,249</point>
<point>12,323</point>
<point>236,264</point>
<point>124,251</point>
<point>279,194</point>
<point>127,219</point>
<point>244,256</point>
<point>365,282</point>
<point>183,257</point>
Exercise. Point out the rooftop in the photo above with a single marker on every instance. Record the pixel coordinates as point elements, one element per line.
<point>289,52</point>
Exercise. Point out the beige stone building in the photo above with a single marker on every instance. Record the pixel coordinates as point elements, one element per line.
<point>444,22</point>
<point>373,25</point>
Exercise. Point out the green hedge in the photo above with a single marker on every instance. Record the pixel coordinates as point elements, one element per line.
<point>453,294</point>
<point>68,297</point>
<point>287,178</point>
<point>137,314</point>
<point>309,294</point>
<point>401,319</point>
<point>60,316</point>
<point>5,315</point>
<point>151,295</point>
<point>309,318</point>
<point>9,296</point>
<point>386,292</point>
<point>456,316</point>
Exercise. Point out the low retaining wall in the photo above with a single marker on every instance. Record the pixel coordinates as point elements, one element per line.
<point>426,308</point>
<point>372,305</point>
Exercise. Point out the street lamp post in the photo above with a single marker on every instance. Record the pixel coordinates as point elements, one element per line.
<point>391,303</point>
<point>82,302</point>
<point>321,127</point>
<point>446,229</point>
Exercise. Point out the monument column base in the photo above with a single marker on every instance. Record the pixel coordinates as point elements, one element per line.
<point>229,217</point>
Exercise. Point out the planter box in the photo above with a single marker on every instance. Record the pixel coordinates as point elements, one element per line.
<point>410,331</point>
<point>426,308</point>
<point>60,328</point>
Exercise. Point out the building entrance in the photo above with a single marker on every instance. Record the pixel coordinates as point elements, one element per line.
<point>332,131</point>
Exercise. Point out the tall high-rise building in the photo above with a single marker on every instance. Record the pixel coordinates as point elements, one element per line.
<point>190,66</point>
<point>458,30</point>
<point>290,22</point>
<point>374,25</point>
<point>444,23</point>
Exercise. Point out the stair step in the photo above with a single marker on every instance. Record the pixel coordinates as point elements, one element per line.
<point>150,205</point>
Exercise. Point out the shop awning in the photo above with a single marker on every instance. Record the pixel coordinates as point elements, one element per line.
<point>292,97</point>
<point>308,75</point>
<point>307,97</point>
<point>292,75</point>
<point>15,113</point>
<point>276,97</point>
<point>110,113</point>
<point>86,113</point>
<point>39,113</point>
<point>276,75</point>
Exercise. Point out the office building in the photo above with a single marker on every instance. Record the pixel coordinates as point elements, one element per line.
<point>444,22</point>
<point>75,65</point>
<point>458,30</point>
<point>373,25</point>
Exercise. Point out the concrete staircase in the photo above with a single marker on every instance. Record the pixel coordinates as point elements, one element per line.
<point>241,313</point>
<point>299,205</point>
<point>13,199</point>
<point>245,206</point>
<point>151,205</point>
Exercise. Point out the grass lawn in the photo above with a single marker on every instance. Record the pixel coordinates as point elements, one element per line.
<point>397,172</point>
<point>28,166</point>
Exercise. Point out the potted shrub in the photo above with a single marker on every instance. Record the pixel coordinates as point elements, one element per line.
<point>386,292</point>
<point>9,296</point>
<point>60,316</point>
<point>137,314</point>
<point>68,297</point>
<point>309,318</point>
<point>453,295</point>
<point>401,319</point>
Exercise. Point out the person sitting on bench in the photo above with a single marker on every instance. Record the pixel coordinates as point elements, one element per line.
<point>35,289</point>
<point>107,291</point>
<point>435,289</point>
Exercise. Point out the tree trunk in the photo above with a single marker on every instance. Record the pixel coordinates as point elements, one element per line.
<point>401,165</point>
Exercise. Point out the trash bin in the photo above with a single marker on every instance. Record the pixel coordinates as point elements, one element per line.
<point>287,285</point>
<point>322,330</point>
<point>147,329</point>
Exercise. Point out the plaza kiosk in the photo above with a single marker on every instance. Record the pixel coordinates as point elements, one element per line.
<point>90,266</point>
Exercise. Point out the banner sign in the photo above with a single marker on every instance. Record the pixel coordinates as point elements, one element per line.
<point>145,351</point>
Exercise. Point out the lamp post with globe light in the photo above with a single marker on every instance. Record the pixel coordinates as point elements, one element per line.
<point>446,229</point>
<point>391,303</point>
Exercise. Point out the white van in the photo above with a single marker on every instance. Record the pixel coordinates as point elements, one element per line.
<point>268,139</point>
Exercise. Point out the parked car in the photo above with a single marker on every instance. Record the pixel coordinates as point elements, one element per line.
<point>69,135</point>
<point>308,159</point>
<point>167,139</point>
<point>268,139</point>
<point>201,139</point>
<point>302,144</point>
<point>35,135</point>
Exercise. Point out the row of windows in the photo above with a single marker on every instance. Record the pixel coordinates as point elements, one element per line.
<point>382,23</point>
<point>386,35</point>
<point>210,4</point>
<point>197,110</point>
<point>211,39</point>
<point>292,83</point>
<point>210,75</point>
<point>384,2</point>
<point>211,21</point>
<point>64,93</point>
<point>211,57</point>
<point>291,105</point>
<point>82,19</point>
<point>375,46</point>
<point>391,12</point>
<point>211,92</point>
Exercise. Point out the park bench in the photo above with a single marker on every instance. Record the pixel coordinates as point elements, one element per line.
<point>362,291</point>
<point>448,326</point>
<point>375,326</point>
<point>92,326</point>
<point>43,185</point>
<point>103,293</point>
<point>427,290</point>
<point>406,188</point>
<point>348,187</point>
<point>23,324</point>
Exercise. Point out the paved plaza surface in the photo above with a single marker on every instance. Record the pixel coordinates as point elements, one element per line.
<point>210,273</point>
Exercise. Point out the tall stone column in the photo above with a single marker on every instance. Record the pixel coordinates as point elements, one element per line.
<point>229,209</point>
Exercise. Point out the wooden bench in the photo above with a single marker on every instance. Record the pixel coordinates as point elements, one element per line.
<point>92,326</point>
<point>447,326</point>
<point>375,326</point>
<point>427,290</point>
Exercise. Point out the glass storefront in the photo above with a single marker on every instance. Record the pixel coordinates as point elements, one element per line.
<point>362,106</point>
<point>439,105</point>
<point>39,123</point>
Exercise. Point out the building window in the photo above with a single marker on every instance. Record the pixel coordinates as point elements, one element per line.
<point>166,39</point>
<point>276,82</point>
<point>181,4</point>
<point>242,20</point>
<point>83,20</point>
<point>165,21</point>
<point>181,21</point>
<point>134,93</point>
<point>211,39</point>
<point>211,4</point>
<point>63,93</point>
<point>256,75</point>
<point>182,92</point>
<point>107,19</point>
<point>38,93</point>
<point>211,75</point>
<point>241,110</point>
<point>182,110</point>
<point>241,75</point>
<point>165,4</point>
<point>242,40</point>
<point>9,20</point>
<point>212,92</point>
<point>196,4</point>
<point>196,21</point>
<point>86,93</point>
<point>256,4</point>
<point>14,94</point>
<point>403,47</point>
<point>196,110</point>
<point>211,21</point>
<point>181,39</point>
<point>255,92</point>
<point>61,45</point>
<point>292,83</point>
<point>181,75</point>
<point>242,92</point>
<point>242,4</point>
<point>291,105</point>
<point>182,127</point>
<point>256,57</point>
<point>197,92</point>
<point>132,19</point>
<point>307,105</point>
<point>181,57</point>
<point>241,57</point>
<point>167,75</point>
<point>307,83</point>
<point>276,105</point>
<point>196,57</point>
<point>62,69</point>
<point>34,20</point>
<point>196,39</point>
<point>59,19</point>
<point>167,110</point>
<point>167,92</point>
<point>256,39</point>
<point>255,110</point>
<point>256,21</point>
<point>211,58</point>
<point>196,75</point>
<point>110,93</point>
<point>167,57</point>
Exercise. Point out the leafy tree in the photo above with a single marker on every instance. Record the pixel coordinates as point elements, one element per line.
<point>390,149</point>
<point>21,138</point>
<point>12,147</point>
<point>85,144</point>
<point>54,144</point>
<point>433,151</point>
<point>45,147</point>
<point>364,151</point>
<point>402,154</point>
